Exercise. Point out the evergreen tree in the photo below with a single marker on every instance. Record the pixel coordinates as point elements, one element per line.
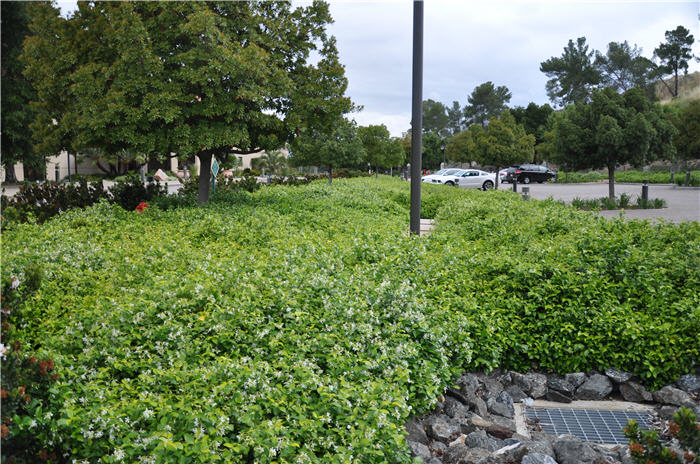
<point>674,55</point>
<point>613,129</point>
<point>572,76</point>
<point>486,102</point>
<point>624,67</point>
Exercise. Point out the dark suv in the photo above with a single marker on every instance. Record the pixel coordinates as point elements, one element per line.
<point>527,173</point>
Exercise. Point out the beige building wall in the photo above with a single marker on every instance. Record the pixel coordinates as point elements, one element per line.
<point>89,167</point>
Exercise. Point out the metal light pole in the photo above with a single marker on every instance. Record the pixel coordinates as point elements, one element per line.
<point>417,116</point>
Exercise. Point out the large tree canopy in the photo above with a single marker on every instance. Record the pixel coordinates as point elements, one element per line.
<point>435,117</point>
<point>191,78</point>
<point>624,67</point>
<point>17,92</point>
<point>613,129</point>
<point>337,148</point>
<point>380,149</point>
<point>464,146</point>
<point>486,102</point>
<point>572,76</point>
<point>687,138</point>
<point>674,55</point>
<point>504,143</point>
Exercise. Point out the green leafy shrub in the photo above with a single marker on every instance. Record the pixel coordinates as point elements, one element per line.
<point>645,446</point>
<point>39,202</point>
<point>28,422</point>
<point>623,201</point>
<point>306,325</point>
<point>633,176</point>
<point>694,179</point>
<point>578,177</point>
<point>129,193</point>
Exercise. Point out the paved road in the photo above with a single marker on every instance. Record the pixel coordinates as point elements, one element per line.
<point>683,203</point>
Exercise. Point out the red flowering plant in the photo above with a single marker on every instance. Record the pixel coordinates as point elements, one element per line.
<point>141,206</point>
<point>27,424</point>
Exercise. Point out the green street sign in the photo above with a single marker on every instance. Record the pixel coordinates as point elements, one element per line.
<point>215,168</point>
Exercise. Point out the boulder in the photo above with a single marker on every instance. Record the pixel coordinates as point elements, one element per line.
<point>534,385</point>
<point>666,412</point>
<point>477,404</point>
<point>632,391</point>
<point>462,454</point>
<point>480,423</point>
<point>501,405</point>
<point>500,432</point>
<point>438,448</point>
<point>576,379</point>
<point>618,376</point>
<point>571,450</point>
<point>689,383</point>
<point>511,453</point>
<point>468,384</point>
<point>561,385</point>
<point>504,422</point>
<point>416,432</point>
<point>480,439</point>
<point>559,397</point>
<point>537,458</point>
<point>539,446</point>
<point>516,393</point>
<point>492,387</point>
<point>596,387</point>
<point>671,395</point>
<point>455,409</point>
<point>439,428</point>
<point>419,450</point>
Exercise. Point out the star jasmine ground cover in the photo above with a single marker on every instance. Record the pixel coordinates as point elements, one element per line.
<point>303,324</point>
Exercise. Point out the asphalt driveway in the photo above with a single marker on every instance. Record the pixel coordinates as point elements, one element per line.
<point>682,203</point>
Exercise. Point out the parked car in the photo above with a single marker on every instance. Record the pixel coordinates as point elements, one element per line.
<point>526,173</point>
<point>440,176</point>
<point>502,175</point>
<point>472,178</point>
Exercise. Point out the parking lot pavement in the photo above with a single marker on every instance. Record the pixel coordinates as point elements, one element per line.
<point>682,203</point>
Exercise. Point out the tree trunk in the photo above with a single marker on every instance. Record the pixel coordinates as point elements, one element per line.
<point>611,181</point>
<point>10,177</point>
<point>566,176</point>
<point>330,174</point>
<point>204,177</point>
<point>675,87</point>
<point>376,172</point>
<point>497,176</point>
<point>687,178</point>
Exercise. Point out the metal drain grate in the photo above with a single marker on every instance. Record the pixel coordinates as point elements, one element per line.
<point>595,425</point>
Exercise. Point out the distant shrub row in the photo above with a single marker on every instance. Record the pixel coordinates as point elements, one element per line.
<point>654,177</point>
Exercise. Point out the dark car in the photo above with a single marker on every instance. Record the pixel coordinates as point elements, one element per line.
<point>527,173</point>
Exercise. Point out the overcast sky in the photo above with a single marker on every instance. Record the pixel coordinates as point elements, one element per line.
<point>467,43</point>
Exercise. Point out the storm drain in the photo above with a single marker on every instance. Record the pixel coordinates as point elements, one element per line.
<point>594,425</point>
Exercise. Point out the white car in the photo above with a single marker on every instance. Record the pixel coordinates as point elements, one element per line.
<point>472,178</point>
<point>440,176</point>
